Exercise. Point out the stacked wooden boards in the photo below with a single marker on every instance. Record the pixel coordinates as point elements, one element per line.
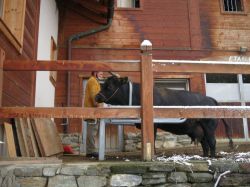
<point>48,139</point>
<point>36,137</point>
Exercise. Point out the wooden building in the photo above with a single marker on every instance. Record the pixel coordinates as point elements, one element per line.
<point>113,30</point>
<point>18,38</point>
<point>181,29</point>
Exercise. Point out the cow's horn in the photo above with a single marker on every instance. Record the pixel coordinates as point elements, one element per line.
<point>114,74</point>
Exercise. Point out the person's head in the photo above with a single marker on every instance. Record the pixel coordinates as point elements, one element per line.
<point>97,74</point>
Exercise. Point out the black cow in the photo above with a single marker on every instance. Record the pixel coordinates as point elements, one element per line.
<point>115,91</point>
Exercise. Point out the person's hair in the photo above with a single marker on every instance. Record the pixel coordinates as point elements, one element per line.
<point>93,73</point>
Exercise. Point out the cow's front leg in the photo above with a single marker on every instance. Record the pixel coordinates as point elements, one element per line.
<point>155,134</point>
<point>205,147</point>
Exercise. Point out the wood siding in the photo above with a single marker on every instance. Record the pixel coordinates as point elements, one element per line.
<point>167,24</point>
<point>223,34</point>
<point>18,87</point>
<point>224,31</point>
<point>180,29</point>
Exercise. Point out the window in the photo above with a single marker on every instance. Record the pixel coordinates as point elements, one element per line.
<point>175,84</point>
<point>221,78</point>
<point>232,5</point>
<point>128,3</point>
<point>226,87</point>
<point>12,14</point>
<point>246,78</point>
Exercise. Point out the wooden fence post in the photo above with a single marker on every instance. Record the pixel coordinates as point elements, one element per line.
<point>2,146</point>
<point>2,57</point>
<point>147,101</point>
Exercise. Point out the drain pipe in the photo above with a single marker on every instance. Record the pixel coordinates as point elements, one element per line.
<point>80,35</point>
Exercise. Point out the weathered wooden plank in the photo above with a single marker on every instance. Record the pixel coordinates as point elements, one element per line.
<point>29,137</point>
<point>46,133</point>
<point>177,66</point>
<point>2,58</point>
<point>127,112</point>
<point>11,147</point>
<point>21,138</point>
<point>181,66</point>
<point>66,65</point>
<point>70,112</point>
<point>202,112</point>
<point>147,101</point>
<point>33,138</point>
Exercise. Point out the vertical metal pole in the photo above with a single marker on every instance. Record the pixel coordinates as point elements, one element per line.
<point>83,147</point>
<point>243,103</point>
<point>102,141</point>
<point>147,101</point>
<point>120,137</point>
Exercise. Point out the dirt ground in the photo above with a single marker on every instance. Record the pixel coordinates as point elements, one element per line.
<point>222,151</point>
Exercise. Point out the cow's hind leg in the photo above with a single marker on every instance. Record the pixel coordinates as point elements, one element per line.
<point>155,134</point>
<point>209,129</point>
<point>205,147</point>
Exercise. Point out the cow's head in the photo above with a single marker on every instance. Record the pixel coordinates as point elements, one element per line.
<point>111,92</point>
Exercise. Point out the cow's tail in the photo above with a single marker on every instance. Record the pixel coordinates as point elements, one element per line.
<point>228,133</point>
<point>228,129</point>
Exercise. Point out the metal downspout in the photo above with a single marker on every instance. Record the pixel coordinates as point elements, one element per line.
<point>80,35</point>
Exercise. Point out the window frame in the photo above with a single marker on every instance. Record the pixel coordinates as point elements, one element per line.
<point>244,12</point>
<point>176,81</point>
<point>129,8</point>
<point>13,30</point>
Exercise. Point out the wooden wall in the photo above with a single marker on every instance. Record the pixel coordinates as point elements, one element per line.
<point>222,35</point>
<point>171,26</point>
<point>180,29</point>
<point>226,32</point>
<point>19,87</point>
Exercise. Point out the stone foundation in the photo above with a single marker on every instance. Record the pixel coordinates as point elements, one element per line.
<point>164,140</point>
<point>132,141</point>
<point>97,174</point>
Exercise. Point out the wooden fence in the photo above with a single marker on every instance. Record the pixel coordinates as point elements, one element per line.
<point>147,112</point>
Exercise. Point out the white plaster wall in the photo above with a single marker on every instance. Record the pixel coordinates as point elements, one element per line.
<point>48,26</point>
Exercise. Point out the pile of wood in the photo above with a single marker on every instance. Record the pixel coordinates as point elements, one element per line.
<point>36,137</point>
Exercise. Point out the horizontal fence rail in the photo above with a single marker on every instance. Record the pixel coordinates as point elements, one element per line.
<point>70,65</point>
<point>174,66</point>
<point>184,66</point>
<point>126,112</point>
<point>146,66</point>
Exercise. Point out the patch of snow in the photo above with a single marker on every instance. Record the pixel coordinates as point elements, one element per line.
<point>243,157</point>
<point>209,162</point>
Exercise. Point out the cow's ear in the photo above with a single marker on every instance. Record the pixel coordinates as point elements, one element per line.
<point>124,80</point>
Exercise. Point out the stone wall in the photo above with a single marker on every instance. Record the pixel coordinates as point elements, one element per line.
<point>164,140</point>
<point>97,174</point>
<point>132,141</point>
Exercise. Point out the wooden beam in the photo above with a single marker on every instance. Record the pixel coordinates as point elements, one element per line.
<point>127,112</point>
<point>2,57</point>
<point>66,65</point>
<point>174,66</point>
<point>147,101</point>
<point>181,66</point>
<point>202,112</point>
<point>69,112</point>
